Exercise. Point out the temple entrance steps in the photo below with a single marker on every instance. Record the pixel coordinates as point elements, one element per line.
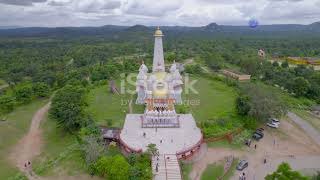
<point>166,167</point>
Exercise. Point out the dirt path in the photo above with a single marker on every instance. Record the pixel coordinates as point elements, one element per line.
<point>311,131</point>
<point>30,145</point>
<point>277,145</point>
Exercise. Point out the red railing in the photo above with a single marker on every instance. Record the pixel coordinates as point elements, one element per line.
<point>191,150</point>
<point>127,148</point>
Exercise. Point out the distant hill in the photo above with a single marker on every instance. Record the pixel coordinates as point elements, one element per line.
<point>10,27</point>
<point>113,30</point>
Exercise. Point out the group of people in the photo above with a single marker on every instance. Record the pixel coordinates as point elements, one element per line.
<point>28,167</point>
<point>164,116</point>
<point>242,176</point>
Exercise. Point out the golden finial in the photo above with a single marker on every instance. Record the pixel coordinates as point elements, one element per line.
<point>158,32</point>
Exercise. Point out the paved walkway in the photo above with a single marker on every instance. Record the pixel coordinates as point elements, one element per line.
<point>311,131</point>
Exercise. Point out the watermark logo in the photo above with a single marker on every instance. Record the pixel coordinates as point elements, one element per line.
<point>129,83</point>
<point>253,23</point>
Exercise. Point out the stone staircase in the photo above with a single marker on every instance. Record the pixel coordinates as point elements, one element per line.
<point>168,167</point>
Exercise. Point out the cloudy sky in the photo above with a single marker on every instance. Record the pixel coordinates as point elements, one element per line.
<point>55,13</point>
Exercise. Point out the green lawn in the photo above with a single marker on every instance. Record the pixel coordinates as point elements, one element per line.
<point>216,99</point>
<point>213,171</point>
<point>12,130</point>
<point>104,105</point>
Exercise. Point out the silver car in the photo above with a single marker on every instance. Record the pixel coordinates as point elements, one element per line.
<point>242,165</point>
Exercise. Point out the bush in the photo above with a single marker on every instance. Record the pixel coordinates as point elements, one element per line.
<point>6,104</point>
<point>113,168</point>
<point>41,89</point>
<point>23,93</point>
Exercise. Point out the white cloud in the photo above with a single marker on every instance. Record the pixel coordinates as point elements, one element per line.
<point>161,12</point>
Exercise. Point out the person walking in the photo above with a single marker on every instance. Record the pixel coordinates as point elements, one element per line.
<point>255,146</point>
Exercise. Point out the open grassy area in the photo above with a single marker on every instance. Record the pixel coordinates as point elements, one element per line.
<point>213,171</point>
<point>104,106</point>
<point>12,130</point>
<point>60,153</point>
<point>213,99</point>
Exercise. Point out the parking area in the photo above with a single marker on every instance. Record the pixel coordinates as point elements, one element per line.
<point>288,143</point>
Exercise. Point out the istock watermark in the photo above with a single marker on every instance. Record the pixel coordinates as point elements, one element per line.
<point>129,81</point>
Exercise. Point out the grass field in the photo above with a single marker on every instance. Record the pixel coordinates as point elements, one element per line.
<point>213,171</point>
<point>12,130</point>
<point>215,98</point>
<point>104,106</point>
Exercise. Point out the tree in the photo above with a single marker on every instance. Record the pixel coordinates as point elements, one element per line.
<point>285,64</point>
<point>300,86</point>
<point>113,167</point>
<point>263,102</point>
<point>152,149</point>
<point>41,89</point>
<point>6,104</point>
<point>92,149</point>
<point>243,105</point>
<point>275,64</point>
<point>68,107</point>
<point>284,172</point>
<point>23,93</point>
<point>140,167</point>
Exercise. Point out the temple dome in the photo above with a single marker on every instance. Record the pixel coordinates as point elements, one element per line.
<point>158,32</point>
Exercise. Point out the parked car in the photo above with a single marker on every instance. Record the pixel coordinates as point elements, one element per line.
<point>242,165</point>
<point>259,131</point>
<point>258,134</point>
<point>274,123</point>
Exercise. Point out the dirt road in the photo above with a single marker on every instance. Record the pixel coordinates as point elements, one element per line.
<point>30,145</point>
<point>311,131</point>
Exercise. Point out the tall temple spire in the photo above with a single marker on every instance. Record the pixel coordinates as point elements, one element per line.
<point>158,60</point>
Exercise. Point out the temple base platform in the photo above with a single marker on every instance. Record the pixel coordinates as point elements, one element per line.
<point>184,138</point>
